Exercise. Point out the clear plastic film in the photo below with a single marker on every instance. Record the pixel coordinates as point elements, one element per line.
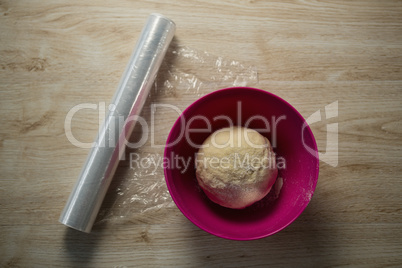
<point>98,171</point>
<point>214,72</point>
<point>185,75</point>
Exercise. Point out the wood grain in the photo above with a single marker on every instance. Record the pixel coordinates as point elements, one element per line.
<point>57,54</point>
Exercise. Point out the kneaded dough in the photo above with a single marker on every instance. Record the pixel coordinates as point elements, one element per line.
<point>236,167</point>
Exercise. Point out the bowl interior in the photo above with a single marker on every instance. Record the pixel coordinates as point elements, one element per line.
<point>293,143</point>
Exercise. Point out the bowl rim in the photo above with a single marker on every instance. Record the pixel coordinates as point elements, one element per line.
<point>307,127</point>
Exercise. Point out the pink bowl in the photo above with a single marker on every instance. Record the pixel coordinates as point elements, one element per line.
<point>293,143</point>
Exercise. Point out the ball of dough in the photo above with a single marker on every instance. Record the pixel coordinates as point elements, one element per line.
<point>236,167</point>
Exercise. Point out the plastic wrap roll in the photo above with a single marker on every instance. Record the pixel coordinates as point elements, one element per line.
<point>90,189</point>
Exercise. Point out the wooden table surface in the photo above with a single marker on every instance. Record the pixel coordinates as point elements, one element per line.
<point>55,55</point>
